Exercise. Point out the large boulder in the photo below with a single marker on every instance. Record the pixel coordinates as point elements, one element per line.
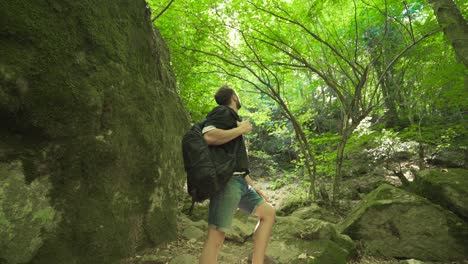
<point>448,188</point>
<point>295,240</point>
<point>391,222</point>
<point>451,157</point>
<point>89,109</point>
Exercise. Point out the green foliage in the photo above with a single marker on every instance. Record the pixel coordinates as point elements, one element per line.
<point>388,145</point>
<point>326,144</point>
<point>438,137</point>
<point>310,54</point>
<point>263,161</point>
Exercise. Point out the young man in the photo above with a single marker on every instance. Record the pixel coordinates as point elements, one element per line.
<point>224,128</point>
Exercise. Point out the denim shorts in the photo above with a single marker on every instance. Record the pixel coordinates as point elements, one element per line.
<point>236,194</point>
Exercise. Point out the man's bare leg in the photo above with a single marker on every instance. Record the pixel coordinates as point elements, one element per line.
<point>213,244</point>
<point>266,213</point>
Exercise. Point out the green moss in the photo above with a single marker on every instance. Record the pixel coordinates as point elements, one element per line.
<point>87,87</point>
<point>332,254</point>
<point>25,214</point>
<point>161,226</point>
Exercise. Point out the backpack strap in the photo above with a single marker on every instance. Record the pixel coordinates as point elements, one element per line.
<point>191,207</point>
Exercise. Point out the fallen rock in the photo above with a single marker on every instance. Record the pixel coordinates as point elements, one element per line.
<point>391,222</point>
<point>447,188</point>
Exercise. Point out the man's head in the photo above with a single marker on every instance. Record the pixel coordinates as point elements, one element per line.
<point>226,96</point>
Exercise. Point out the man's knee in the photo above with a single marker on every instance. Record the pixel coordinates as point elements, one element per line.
<point>266,212</point>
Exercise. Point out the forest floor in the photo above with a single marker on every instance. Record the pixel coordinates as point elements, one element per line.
<point>237,253</point>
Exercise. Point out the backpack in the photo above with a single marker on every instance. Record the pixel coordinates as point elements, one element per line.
<point>208,168</point>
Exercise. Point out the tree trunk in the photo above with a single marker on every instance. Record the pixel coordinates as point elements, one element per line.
<point>421,154</point>
<point>401,176</point>
<point>389,86</point>
<point>454,26</point>
<point>388,92</point>
<point>339,165</point>
<point>309,158</point>
<point>346,132</point>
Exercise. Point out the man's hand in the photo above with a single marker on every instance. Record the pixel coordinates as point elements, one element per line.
<point>245,126</point>
<point>251,183</point>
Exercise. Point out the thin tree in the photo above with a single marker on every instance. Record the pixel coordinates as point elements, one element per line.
<point>351,75</point>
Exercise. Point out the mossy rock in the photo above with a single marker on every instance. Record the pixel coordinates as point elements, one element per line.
<point>199,211</point>
<point>88,95</point>
<point>391,222</point>
<point>362,184</point>
<point>295,240</point>
<point>291,205</point>
<point>314,211</point>
<point>448,188</point>
<point>26,215</point>
<point>451,157</point>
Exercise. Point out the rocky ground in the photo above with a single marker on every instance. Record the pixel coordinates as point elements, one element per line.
<point>285,245</point>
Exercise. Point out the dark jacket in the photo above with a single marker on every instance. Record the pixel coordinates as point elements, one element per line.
<point>223,117</point>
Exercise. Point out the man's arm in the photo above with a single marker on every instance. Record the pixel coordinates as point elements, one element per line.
<point>221,136</point>
<point>250,182</point>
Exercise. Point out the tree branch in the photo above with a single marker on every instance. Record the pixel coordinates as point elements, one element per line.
<point>410,22</point>
<point>307,65</point>
<point>399,55</point>
<point>162,11</point>
<point>315,36</point>
<point>356,33</point>
<point>385,14</point>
